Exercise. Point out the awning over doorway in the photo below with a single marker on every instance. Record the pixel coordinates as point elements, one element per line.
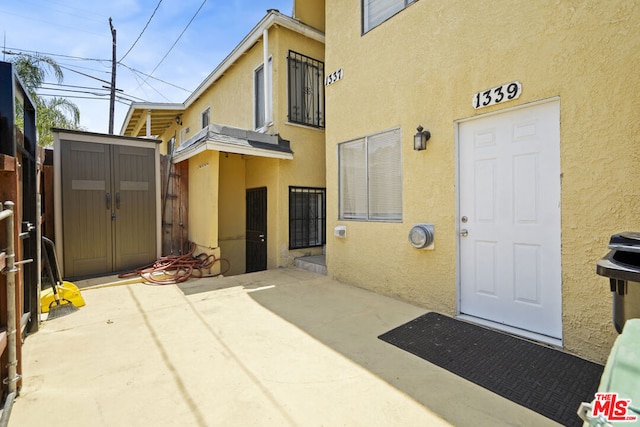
<point>234,140</point>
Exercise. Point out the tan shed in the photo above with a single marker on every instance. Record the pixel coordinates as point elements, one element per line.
<point>107,208</point>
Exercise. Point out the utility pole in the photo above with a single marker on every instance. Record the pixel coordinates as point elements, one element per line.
<point>112,99</point>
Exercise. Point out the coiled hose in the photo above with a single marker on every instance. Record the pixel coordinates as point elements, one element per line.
<point>172,269</point>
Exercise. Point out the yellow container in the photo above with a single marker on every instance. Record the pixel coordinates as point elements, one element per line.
<point>66,291</point>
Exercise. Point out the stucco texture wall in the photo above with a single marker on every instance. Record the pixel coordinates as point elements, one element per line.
<point>231,102</point>
<point>307,143</point>
<point>423,66</point>
<point>232,212</point>
<point>203,207</point>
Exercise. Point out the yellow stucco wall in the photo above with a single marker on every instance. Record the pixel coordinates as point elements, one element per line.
<point>203,201</point>
<point>311,12</point>
<point>307,144</point>
<point>423,66</point>
<point>232,211</point>
<point>231,100</point>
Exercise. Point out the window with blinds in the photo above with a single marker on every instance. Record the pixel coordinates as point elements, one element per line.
<point>375,12</point>
<point>370,177</point>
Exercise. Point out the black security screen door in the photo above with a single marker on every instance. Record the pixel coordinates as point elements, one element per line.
<point>256,250</point>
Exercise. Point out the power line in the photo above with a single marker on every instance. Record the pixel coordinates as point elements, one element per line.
<point>142,32</point>
<point>84,74</point>
<point>176,42</point>
<point>154,78</point>
<point>8,51</point>
<point>93,98</point>
<point>74,69</point>
<point>73,86</point>
<point>135,98</point>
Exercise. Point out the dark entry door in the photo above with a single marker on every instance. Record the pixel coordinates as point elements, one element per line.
<point>256,229</point>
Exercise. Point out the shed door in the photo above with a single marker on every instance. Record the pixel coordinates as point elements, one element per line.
<point>134,207</point>
<point>256,250</point>
<point>510,219</point>
<point>86,207</point>
<point>109,207</point>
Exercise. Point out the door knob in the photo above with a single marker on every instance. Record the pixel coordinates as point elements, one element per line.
<point>464,232</point>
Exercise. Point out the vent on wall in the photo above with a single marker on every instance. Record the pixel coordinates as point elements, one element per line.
<point>340,231</point>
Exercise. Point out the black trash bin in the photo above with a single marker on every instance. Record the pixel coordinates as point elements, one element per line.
<point>622,266</point>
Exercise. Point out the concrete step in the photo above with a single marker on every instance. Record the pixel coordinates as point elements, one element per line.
<point>314,263</point>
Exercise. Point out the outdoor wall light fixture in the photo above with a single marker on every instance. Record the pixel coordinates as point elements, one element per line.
<point>179,119</point>
<point>420,139</point>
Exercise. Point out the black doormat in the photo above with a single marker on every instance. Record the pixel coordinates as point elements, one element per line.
<point>547,381</point>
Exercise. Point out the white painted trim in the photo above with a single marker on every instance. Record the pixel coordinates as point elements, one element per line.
<point>511,330</point>
<point>108,139</point>
<point>202,114</point>
<point>147,106</point>
<point>272,18</point>
<point>456,126</point>
<point>266,76</point>
<point>229,148</point>
<point>268,94</point>
<point>507,110</point>
<point>521,332</point>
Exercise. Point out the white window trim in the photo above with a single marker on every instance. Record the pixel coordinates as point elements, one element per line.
<point>366,27</point>
<point>368,216</point>
<point>208,109</point>
<point>269,120</point>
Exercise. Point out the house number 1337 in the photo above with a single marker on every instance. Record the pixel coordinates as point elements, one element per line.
<point>333,77</point>
<point>496,95</point>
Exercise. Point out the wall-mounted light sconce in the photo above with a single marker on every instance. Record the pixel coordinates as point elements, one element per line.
<point>179,119</point>
<point>420,139</point>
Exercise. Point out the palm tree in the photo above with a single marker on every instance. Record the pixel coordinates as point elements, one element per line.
<point>53,112</point>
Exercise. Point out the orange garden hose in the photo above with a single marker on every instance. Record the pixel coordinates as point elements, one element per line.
<point>172,269</point>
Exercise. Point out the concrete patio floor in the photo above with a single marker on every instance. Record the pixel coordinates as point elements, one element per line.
<point>284,347</point>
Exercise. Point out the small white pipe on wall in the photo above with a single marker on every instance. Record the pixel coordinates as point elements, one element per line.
<point>148,123</point>
<point>265,68</point>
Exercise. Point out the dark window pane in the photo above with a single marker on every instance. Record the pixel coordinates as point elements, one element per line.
<point>307,220</point>
<point>306,90</point>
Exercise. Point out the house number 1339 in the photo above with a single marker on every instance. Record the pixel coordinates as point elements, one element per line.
<point>496,95</point>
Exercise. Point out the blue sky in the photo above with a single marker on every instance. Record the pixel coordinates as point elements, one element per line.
<point>76,34</point>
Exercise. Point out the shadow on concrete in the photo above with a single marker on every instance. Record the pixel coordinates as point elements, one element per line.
<point>348,320</point>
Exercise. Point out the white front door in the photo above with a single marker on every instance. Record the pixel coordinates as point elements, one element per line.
<point>509,218</point>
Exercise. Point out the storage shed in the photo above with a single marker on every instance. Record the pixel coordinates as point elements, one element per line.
<point>107,202</point>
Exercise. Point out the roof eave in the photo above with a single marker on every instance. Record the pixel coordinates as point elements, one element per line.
<point>272,18</point>
<point>148,106</point>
